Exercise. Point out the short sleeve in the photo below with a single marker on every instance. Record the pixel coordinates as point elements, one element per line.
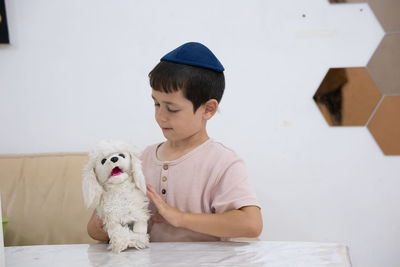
<point>233,190</point>
<point>144,154</point>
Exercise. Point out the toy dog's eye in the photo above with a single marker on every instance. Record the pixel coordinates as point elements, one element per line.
<point>103,161</point>
<point>122,155</point>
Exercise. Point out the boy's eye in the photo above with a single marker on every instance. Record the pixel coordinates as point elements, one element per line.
<point>103,161</point>
<point>122,155</point>
<point>172,110</point>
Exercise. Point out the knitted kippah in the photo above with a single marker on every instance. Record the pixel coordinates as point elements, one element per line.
<point>194,54</point>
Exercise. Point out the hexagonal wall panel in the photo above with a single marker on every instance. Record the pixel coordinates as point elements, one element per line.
<point>385,125</point>
<point>387,12</point>
<point>347,96</point>
<point>384,65</point>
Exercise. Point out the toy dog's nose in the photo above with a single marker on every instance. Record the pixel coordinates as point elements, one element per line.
<point>114,159</point>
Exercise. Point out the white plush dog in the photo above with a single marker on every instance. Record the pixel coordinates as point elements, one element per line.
<point>114,184</point>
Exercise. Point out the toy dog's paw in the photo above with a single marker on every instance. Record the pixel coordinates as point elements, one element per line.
<point>139,241</point>
<point>119,246</point>
<point>119,242</point>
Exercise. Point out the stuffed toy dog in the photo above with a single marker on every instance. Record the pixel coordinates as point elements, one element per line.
<point>113,184</point>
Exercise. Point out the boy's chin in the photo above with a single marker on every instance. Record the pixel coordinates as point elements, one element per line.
<point>167,133</point>
<point>166,130</point>
<point>168,137</point>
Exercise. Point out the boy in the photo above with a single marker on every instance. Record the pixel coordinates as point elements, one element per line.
<point>198,187</point>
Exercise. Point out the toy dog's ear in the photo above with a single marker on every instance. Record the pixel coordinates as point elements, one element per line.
<point>92,190</point>
<point>138,176</point>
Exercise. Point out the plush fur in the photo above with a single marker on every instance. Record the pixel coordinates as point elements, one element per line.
<point>113,184</point>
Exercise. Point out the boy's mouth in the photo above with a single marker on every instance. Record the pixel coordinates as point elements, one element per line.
<point>116,171</point>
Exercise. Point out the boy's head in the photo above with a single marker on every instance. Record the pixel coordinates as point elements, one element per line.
<point>193,69</point>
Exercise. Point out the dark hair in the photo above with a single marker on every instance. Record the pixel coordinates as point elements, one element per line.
<point>198,84</point>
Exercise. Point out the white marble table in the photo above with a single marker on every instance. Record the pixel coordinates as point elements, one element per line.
<point>259,253</point>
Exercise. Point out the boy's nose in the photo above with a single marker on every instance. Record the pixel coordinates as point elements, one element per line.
<point>114,159</point>
<point>160,115</point>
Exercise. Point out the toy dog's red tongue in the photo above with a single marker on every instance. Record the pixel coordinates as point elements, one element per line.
<point>116,171</point>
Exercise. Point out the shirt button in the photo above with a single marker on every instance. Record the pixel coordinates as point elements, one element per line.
<point>163,191</point>
<point>164,179</point>
<point>165,166</point>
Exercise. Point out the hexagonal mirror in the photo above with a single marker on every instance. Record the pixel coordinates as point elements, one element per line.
<point>346,1</point>
<point>347,96</point>
<point>387,12</point>
<point>384,65</point>
<point>385,125</point>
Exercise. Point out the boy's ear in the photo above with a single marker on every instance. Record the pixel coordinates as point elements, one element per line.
<point>210,108</point>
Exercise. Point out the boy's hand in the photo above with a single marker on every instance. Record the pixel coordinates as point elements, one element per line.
<point>165,211</point>
<point>243,222</point>
<point>98,222</point>
<point>95,228</point>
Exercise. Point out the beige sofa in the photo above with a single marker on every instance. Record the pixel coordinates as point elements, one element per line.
<point>42,198</point>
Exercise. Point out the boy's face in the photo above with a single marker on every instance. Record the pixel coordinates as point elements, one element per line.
<point>174,114</point>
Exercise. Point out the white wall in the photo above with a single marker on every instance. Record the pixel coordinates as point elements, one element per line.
<point>76,72</point>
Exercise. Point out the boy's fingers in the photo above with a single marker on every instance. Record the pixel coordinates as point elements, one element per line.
<point>149,188</point>
<point>155,197</point>
<point>152,198</point>
<point>153,194</point>
<point>98,220</point>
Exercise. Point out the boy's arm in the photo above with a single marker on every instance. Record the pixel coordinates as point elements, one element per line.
<point>244,222</point>
<point>95,228</point>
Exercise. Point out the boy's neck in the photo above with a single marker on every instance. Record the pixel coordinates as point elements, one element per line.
<point>172,150</point>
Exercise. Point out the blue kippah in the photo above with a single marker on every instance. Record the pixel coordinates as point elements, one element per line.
<point>194,54</point>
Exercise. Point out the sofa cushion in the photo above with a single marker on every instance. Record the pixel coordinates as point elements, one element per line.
<point>41,196</point>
